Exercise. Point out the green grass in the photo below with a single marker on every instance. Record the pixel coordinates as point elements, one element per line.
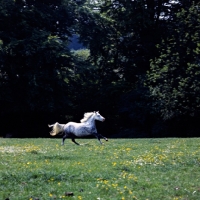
<point>143,169</point>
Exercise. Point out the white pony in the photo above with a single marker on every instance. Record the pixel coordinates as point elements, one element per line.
<point>85,128</point>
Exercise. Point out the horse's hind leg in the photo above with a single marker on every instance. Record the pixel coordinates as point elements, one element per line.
<point>73,140</point>
<point>63,139</point>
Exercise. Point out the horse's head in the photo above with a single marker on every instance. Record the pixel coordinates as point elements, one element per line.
<point>98,117</point>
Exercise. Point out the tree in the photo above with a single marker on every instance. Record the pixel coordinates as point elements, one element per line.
<point>122,38</point>
<point>34,59</point>
<point>174,77</point>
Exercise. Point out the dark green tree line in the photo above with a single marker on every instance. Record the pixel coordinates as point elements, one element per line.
<point>35,60</point>
<point>123,40</point>
<point>174,76</point>
<point>41,77</point>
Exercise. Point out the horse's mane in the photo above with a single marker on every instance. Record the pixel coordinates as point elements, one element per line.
<point>86,116</point>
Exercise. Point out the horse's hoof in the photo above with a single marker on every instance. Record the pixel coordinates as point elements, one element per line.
<point>106,139</point>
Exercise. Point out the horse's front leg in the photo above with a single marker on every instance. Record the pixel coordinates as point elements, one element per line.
<point>99,136</point>
<point>106,139</point>
<point>99,139</point>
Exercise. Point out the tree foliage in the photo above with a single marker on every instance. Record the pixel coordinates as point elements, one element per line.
<point>34,59</point>
<point>41,77</point>
<point>174,77</point>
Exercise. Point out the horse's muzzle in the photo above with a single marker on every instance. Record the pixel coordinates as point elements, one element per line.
<point>103,119</point>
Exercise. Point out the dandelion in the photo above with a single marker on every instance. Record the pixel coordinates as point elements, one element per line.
<point>114,185</point>
<point>80,197</point>
<point>50,195</point>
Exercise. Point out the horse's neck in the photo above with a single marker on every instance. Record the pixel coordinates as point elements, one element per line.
<point>91,121</point>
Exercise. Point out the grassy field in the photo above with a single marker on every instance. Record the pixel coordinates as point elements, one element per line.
<point>153,169</point>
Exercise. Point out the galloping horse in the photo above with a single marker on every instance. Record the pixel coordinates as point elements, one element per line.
<point>85,128</point>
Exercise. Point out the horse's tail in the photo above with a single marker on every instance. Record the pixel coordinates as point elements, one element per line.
<point>57,128</point>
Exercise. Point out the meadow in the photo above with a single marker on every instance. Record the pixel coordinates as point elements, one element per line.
<point>121,169</point>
